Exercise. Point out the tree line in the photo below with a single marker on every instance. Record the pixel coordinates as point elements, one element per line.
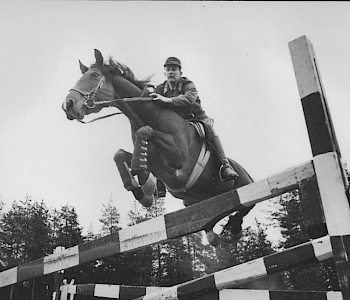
<point>29,230</point>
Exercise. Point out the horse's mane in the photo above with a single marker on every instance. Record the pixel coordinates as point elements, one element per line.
<point>113,67</point>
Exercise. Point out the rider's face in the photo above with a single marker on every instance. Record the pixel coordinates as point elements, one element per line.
<point>172,73</point>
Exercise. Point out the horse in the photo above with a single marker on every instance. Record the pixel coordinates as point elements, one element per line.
<point>166,146</point>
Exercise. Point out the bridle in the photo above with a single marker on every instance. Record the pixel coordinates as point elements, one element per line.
<point>90,101</point>
<point>90,96</point>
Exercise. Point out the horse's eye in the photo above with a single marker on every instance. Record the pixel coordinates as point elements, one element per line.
<point>96,75</point>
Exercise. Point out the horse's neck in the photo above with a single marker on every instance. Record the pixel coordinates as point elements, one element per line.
<point>124,88</point>
<point>127,90</point>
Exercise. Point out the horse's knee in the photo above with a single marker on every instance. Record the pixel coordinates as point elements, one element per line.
<point>118,156</point>
<point>144,132</point>
<point>121,156</point>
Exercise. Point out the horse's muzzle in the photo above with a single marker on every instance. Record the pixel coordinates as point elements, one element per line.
<point>68,107</point>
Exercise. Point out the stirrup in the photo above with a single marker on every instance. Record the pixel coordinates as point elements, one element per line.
<point>232,176</point>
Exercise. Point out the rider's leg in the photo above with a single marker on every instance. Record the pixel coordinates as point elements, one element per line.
<point>226,171</point>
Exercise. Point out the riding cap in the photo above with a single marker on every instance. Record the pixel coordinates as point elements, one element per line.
<point>173,61</point>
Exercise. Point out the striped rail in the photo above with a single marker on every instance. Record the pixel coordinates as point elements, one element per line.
<point>228,294</point>
<point>122,292</point>
<point>317,250</point>
<point>163,228</point>
<point>309,252</point>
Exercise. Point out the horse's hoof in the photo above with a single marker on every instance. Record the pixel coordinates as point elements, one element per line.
<point>213,238</point>
<point>149,187</point>
<point>147,200</point>
<point>130,183</point>
<point>235,237</point>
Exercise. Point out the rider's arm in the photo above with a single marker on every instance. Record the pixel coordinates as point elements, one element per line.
<point>189,97</point>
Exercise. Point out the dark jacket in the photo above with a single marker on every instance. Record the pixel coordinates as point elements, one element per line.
<point>185,99</point>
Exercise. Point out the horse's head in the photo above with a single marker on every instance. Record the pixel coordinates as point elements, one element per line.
<point>94,85</point>
<point>101,84</point>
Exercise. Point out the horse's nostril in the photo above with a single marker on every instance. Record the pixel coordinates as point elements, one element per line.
<point>69,103</point>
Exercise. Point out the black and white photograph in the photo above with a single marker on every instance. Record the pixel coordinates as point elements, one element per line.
<point>174,150</point>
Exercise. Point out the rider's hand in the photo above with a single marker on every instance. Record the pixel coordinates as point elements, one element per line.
<point>150,89</point>
<point>161,98</point>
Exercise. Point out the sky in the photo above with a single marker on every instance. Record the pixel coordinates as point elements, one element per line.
<point>236,53</point>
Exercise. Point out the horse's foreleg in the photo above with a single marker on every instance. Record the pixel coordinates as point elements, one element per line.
<point>174,154</point>
<point>123,162</point>
<point>139,164</point>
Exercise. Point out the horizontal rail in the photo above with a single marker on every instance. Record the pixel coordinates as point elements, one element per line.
<point>228,294</point>
<point>106,291</point>
<point>309,252</point>
<point>160,229</point>
<point>110,291</point>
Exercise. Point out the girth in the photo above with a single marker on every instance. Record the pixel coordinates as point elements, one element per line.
<point>201,162</point>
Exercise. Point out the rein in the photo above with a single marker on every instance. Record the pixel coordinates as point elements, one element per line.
<point>102,102</point>
<point>90,101</point>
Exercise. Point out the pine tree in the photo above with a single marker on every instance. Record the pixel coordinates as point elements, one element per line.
<point>253,244</point>
<point>110,218</point>
<point>289,218</point>
<point>25,236</point>
<point>25,232</point>
<point>144,263</point>
<point>90,235</point>
<point>2,254</point>
<point>2,204</point>
<point>178,260</point>
<point>108,270</point>
<point>69,233</point>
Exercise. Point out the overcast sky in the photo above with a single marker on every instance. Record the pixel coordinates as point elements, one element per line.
<point>235,52</point>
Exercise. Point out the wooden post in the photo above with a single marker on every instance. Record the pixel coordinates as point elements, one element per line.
<point>327,157</point>
<point>58,276</point>
<point>11,291</point>
<point>313,216</point>
<point>33,289</point>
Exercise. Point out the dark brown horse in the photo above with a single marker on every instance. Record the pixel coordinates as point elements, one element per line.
<point>166,147</point>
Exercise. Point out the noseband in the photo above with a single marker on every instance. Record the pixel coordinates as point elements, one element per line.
<point>90,96</point>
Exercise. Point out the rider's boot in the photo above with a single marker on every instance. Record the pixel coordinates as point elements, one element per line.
<point>227,173</point>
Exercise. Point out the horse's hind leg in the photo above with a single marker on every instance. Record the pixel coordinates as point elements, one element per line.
<point>235,221</point>
<point>123,162</point>
<point>212,237</point>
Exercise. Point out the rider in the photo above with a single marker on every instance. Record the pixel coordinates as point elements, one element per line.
<point>180,95</point>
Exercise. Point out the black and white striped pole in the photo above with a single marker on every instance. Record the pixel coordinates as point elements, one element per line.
<point>329,169</point>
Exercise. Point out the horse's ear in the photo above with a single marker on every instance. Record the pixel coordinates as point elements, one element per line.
<point>83,68</point>
<point>99,57</point>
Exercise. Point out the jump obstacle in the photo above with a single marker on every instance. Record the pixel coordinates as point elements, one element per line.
<point>314,251</point>
<point>326,169</point>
